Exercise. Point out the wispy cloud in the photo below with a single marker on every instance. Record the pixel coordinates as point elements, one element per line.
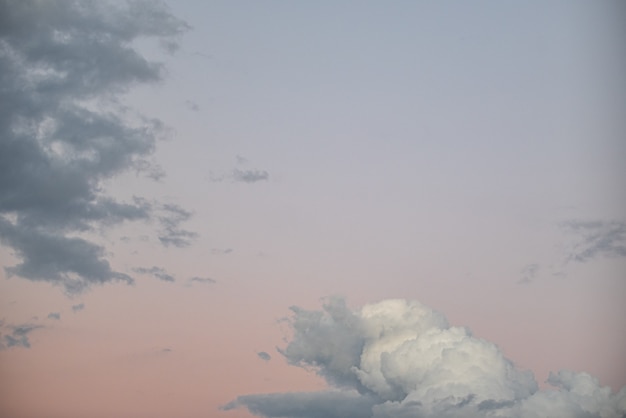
<point>157,272</point>
<point>78,307</point>
<point>529,272</point>
<point>17,336</point>
<point>593,239</point>
<point>399,358</point>
<point>204,280</point>
<point>250,176</point>
<point>65,133</point>
<point>54,315</point>
<point>220,251</point>
<point>264,356</point>
<point>171,232</point>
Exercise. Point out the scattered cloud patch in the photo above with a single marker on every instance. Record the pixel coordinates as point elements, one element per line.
<point>529,272</point>
<point>595,239</point>
<point>17,335</point>
<point>54,315</point>
<point>64,65</point>
<point>171,233</point>
<point>220,251</point>
<point>240,175</point>
<point>157,272</point>
<point>191,105</point>
<point>78,307</point>
<point>250,176</point>
<point>204,280</point>
<point>264,356</point>
<point>399,358</point>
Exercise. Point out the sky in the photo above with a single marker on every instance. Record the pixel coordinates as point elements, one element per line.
<point>304,209</point>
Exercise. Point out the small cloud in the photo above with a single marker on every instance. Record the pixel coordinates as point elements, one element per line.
<point>171,233</point>
<point>166,350</point>
<point>595,239</point>
<point>192,105</point>
<point>18,336</point>
<point>205,280</point>
<point>529,272</point>
<point>250,176</point>
<point>54,315</point>
<point>79,307</point>
<point>157,272</point>
<point>220,251</point>
<point>264,356</point>
<point>241,159</point>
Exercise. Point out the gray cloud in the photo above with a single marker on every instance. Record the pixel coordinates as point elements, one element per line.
<point>529,272</point>
<point>191,105</point>
<point>17,336</point>
<point>398,358</point>
<point>596,239</point>
<point>205,280</point>
<point>171,233</point>
<point>250,176</point>
<point>241,175</point>
<point>264,356</point>
<point>78,307</point>
<point>63,131</point>
<point>54,315</point>
<point>157,272</point>
<point>219,251</point>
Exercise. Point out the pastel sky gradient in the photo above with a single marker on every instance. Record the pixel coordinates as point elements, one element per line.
<point>469,156</point>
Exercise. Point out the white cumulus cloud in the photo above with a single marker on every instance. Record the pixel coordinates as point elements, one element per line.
<point>399,358</point>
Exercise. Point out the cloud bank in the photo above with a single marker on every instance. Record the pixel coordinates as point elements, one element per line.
<point>63,132</point>
<point>399,358</point>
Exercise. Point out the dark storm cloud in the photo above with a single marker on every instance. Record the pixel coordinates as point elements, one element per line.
<point>63,131</point>
<point>171,232</point>
<point>400,359</point>
<point>54,315</point>
<point>596,239</point>
<point>264,356</point>
<point>17,336</point>
<point>157,272</point>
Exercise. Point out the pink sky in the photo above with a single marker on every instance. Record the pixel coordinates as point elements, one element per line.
<point>442,153</point>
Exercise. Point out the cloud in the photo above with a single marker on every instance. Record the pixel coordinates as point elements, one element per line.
<point>157,272</point>
<point>171,233</point>
<point>63,130</point>
<point>78,307</point>
<point>241,175</point>
<point>264,356</point>
<point>205,280</point>
<point>54,315</point>
<point>18,336</point>
<point>191,105</point>
<point>529,272</point>
<point>249,176</point>
<point>219,251</point>
<point>399,358</point>
<point>596,239</point>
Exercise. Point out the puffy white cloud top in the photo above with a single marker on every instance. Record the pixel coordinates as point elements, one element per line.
<point>399,358</point>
